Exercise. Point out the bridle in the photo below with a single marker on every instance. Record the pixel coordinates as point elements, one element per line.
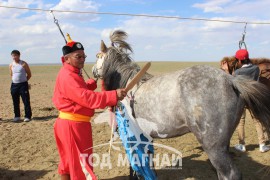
<point>96,69</point>
<point>233,65</point>
<point>101,56</point>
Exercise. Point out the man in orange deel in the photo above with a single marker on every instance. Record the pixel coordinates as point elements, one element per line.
<point>76,101</point>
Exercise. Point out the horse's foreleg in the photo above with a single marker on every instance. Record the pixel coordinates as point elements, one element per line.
<point>223,163</point>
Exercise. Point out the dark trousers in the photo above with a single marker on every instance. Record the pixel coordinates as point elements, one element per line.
<point>17,90</point>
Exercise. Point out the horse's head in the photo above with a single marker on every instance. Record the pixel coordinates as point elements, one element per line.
<point>114,63</point>
<point>229,64</point>
<point>98,67</point>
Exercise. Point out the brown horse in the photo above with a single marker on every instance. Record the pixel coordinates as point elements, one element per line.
<point>230,64</point>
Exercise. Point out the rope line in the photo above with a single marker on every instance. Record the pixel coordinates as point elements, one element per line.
<point>58,25</point>
<point>242,41</point>
<point>136,15</point>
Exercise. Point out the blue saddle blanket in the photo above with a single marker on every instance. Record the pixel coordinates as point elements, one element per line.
<point>138,146</point>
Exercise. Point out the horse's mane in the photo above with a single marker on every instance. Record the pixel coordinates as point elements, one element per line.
<point>118,66</point>
<point>253,60</point>
<point>118,38</point>
<point>259,60</point>
<point>228,59</point>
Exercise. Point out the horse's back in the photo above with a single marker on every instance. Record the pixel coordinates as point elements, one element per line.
<point>185,100</point>
<point>210,100</point>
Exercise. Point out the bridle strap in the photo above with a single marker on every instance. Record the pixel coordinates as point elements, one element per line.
<point>233,66</point>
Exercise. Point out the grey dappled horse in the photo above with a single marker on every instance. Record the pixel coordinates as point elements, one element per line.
<point>201,99</point>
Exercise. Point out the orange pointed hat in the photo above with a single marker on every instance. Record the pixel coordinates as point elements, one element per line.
<point>71,46</point>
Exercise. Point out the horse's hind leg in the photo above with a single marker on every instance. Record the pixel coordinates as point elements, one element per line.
<point>221,160</point>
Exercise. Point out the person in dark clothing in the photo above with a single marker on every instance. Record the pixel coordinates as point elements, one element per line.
<point>20,73</point>
<point>250,71</point>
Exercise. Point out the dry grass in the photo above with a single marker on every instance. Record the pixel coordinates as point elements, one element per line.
<point>28,150</point>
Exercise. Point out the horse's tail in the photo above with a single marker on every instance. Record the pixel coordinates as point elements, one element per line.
<point>257,98</point>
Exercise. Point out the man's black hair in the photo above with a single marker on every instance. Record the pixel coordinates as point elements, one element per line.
<point>15,52</point>
<point>246,61</point>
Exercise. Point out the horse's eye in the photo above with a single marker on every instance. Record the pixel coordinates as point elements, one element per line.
<point>99,55</point>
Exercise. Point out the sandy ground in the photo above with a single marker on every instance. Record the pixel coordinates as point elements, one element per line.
<point>28,150</point>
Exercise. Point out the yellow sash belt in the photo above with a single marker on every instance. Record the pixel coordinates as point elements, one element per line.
<point>74,117</point>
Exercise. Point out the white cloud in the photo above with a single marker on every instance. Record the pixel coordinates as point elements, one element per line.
<point>158,38</point>
<point>77,5</point>
<point>213,5</point>
<point>13,13</point>
<point>148,47</point>
<point>36,35</point>
<point>244,9</point>
<point>34,32</point>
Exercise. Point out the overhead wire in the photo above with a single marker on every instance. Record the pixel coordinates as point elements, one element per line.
<point>135,15</point>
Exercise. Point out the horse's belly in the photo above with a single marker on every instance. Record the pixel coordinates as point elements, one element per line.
<point>158,105</point>
<point>166,129</point>
<point>173,132</point>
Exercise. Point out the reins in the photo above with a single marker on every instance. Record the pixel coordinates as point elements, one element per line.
<point>129,86</point>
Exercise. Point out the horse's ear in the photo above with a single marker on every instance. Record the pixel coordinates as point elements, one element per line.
<point>103,47</point>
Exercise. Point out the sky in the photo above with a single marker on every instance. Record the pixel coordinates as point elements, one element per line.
<point>36,36</point>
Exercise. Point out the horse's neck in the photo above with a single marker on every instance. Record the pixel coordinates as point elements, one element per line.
<point>258,61</point>
<point>126,75</point>
<point>132,92</point>
<point>120,77</point>
<point>129,73</point>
